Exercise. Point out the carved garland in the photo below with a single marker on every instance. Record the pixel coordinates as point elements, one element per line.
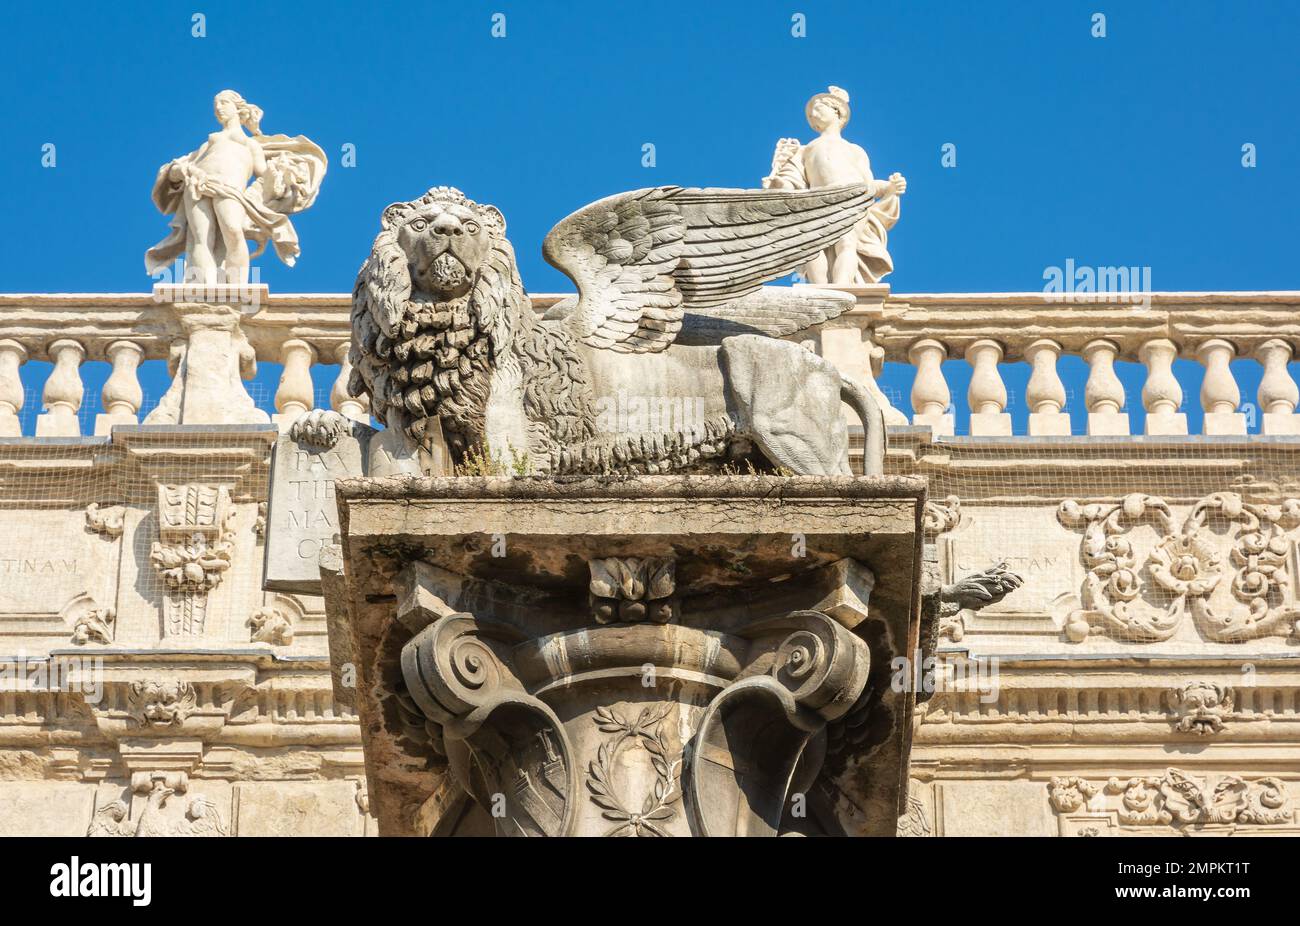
<point>600,778</point>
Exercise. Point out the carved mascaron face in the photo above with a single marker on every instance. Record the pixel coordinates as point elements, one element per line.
<point>446,245</point>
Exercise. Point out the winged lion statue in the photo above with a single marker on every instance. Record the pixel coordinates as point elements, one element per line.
<point>671,357</point>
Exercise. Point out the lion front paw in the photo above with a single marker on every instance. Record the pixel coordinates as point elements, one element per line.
<point>320,427</point>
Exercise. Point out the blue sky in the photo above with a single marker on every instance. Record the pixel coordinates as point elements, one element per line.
<point>1123,150</point>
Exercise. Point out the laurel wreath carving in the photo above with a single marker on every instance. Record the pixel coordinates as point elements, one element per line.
<point>657,807</point>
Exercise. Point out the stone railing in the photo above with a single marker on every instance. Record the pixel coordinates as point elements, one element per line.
<point>298,331</point>
<point>1154,329</point>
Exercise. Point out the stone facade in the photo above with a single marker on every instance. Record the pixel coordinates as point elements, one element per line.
<point>1141,681</point>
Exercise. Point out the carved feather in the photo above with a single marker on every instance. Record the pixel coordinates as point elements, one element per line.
<point>775,311</point>
<point>642,259</point>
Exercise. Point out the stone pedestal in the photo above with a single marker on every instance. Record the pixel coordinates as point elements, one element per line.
<point>208,365</point>
<point>629,656</point>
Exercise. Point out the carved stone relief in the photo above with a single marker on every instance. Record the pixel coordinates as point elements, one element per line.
<point>270,625</point>
<point>1200,707</point>
<point>107,522</point>
<point>195,546</point>
<point>1175,798</point>
<point>159,815</point>
<point>162,703</point>
<point>1145,599</point>
<point>631,589</point>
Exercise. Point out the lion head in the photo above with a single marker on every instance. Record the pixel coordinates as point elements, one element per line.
<point>434,307</point>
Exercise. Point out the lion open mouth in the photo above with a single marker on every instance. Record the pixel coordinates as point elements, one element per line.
<point>447,273</point>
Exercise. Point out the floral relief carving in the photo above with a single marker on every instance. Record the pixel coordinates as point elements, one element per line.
<point>94,626</point>
<point>269,625</point>
<point>1069,794</point>
<point>1177,798</point>
<point>941,517</point>
<point>632,589</point>
<point>194,550</point>
<point>1184,569</point>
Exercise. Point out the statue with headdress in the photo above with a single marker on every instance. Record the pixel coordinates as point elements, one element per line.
<point>862,255</point>
<point>216,211</point>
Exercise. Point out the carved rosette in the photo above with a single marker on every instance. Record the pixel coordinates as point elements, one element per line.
<point>1147,600</point>
<point>195,546</point>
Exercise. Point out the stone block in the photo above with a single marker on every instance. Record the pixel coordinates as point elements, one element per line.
<point>298,808</point>
<point>1108,424</point>
<point>575,621</point>
<point>1166,424</point>
<point>301,517</point>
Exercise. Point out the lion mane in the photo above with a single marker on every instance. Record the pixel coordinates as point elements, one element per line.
<point>420,360</point>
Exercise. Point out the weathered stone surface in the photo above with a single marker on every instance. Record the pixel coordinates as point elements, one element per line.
<point>463,374</point>
<point>45,808</point>
<point>302,518</point>
<point>531,627</point>
<point>299,808</point>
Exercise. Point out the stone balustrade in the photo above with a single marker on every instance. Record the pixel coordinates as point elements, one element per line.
<point>1155,329</point>
<point>985,330</point>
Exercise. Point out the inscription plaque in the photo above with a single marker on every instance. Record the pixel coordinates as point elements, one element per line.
<point>301,516</point>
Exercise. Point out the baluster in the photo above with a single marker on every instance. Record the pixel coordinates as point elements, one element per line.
<point>1045,393</point>
<point>340,400</point>
<point>63,391</point>
<point>122,395</point>
<point>1219,393</point>
<point>12,357</point>
<point>294,396</point>
<point>1104,393</point>
<point>1278,393</point>
<point>931,398</point>
<point>987,394</point>
<point>1161,394</point>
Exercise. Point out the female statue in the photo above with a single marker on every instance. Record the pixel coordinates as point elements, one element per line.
<point>215,212</point>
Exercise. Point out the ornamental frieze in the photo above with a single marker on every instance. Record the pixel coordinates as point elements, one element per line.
<point>1224,567</point>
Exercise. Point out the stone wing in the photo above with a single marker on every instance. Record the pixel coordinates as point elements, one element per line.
<point>642,259</point>
<point>774,311</point>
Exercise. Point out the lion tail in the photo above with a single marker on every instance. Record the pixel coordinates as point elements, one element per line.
<point>873,425</point>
